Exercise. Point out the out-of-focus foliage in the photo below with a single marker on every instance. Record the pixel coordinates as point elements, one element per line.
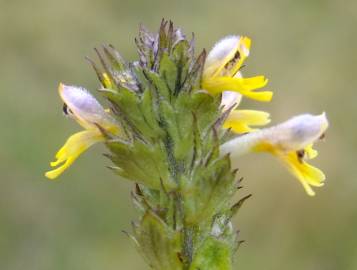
<point>306,48</point>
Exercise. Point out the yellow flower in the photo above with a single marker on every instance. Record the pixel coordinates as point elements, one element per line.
<point>240,121</point>
<point>222,66</point>
<point>80,105</point>
<point>291,142</point>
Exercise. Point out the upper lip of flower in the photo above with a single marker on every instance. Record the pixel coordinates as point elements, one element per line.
<point>84,108</point>
<point>222,66</point>
<point>227,56</point>
<point>299,132</point>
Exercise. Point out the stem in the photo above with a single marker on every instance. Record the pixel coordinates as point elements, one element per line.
<point>188,233</point>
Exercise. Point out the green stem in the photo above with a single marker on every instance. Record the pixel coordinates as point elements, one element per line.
<point>187,249</point>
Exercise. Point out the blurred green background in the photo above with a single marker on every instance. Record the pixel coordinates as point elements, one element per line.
<point>306,48</point>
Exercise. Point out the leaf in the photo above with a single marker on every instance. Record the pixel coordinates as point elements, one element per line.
<point>129,106</point>
<point>143,163</point>
<point>193,80</point>
<point>115,59</point>
<point>163,91</point>
<point>149,112</point>
<point>168,71</point>
<point>208,190</point>
<point>159,243</point>
<point>183,60</point>
<point>213,254</point>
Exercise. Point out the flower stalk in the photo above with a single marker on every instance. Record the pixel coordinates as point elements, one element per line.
<point>168,127</point>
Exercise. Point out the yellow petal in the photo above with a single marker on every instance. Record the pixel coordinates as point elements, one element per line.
<point>240,121</point>
<point>310,152</point>
<point>305,173</point>
<point>72,149</point>
<point>244,86</point>
<point>254,82</point>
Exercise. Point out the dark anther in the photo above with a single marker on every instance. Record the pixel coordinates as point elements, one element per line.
<point>232,62</point>
<point>66,110</point>
<point>236,55</point>
<point>323,135</point>
<point>300,154</point>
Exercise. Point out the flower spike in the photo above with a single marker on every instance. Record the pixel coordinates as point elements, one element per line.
<point>169,131</point>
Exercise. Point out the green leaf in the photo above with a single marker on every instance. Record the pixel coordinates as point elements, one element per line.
<point>163,91</point>
<point>138,73</point>
<point>208,190</point>
<point>181,56</point>
<point>130,109</point>
<point>143,163</point>
<point>168,71</point>
<point>116,61</point>
<point>160,244</point>
<point>149,113</point>
<point>193,80</point>
<point>213,254</point>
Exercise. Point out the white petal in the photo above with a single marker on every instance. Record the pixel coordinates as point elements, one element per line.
<point>223,48</point>
<point>85,108</point>
<point>229,99</point>
<point>298,132</point>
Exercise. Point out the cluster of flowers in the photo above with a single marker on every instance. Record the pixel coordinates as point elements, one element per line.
<point>291,141</point>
